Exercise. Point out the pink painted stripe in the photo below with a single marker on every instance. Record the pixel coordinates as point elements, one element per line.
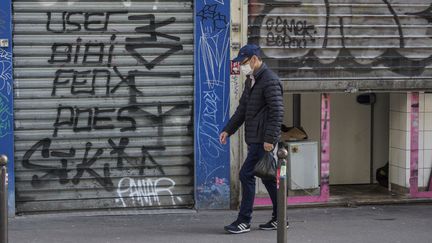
<point>306,199</point>
<point>325,146</point>
<point>292,200</point>
<point>414,144</point>
<point>422,195</point>
<point>262,201</point>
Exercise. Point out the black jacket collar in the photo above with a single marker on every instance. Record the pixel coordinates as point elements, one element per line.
<point>260,70</point>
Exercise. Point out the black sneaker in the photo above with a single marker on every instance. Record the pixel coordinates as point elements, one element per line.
<point>271,225</point>
<point>237,227</point>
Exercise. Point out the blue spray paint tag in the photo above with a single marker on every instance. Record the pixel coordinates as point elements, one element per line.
<point>212,75</point>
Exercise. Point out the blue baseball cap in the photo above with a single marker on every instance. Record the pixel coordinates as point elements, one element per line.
<point>247,51</point>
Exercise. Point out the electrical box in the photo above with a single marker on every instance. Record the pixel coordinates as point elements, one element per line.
<point>303,169</point>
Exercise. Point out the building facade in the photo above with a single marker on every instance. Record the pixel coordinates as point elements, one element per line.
<point>118,104</point>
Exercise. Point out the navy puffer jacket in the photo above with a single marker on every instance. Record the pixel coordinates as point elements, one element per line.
<point>261,109</point>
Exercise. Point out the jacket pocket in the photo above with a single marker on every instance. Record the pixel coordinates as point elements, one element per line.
<point>261,125</point>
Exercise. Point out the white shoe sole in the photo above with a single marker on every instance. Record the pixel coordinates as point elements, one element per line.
<point>271,228</point>
<point>268,228</point>
<point>238,232</point>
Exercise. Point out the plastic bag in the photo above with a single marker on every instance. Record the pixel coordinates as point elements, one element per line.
<point>266,167</point>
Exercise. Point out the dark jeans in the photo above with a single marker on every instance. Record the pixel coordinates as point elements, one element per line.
<point>255,153</point>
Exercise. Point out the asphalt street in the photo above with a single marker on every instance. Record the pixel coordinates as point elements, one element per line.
<point>374,224</point>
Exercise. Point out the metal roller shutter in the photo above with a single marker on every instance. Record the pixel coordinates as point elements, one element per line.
<point>103,104</point>
<point>339,45</point>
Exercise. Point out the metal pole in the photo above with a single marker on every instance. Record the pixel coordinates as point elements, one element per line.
<point>372,126</point>
<point>282,196</point>
<point>3,200</point>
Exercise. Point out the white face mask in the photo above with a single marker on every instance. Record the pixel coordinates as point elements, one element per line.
<point>246,69</point>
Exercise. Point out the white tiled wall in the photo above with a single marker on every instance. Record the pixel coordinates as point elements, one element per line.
<point>399,156</point>
<point>399,138</point>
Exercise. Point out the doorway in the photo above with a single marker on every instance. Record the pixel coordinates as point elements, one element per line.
<point>359,147</point>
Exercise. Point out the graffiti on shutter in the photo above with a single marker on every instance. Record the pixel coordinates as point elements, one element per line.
<point>102,109</point>
<point>325,40</point>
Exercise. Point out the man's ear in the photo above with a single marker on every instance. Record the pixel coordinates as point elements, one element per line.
<point>254,60</point>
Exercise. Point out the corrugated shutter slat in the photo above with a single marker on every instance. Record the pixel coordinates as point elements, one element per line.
<point>103,104</point>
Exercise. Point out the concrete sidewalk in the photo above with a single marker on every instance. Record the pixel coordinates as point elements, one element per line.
<point>392,224</point>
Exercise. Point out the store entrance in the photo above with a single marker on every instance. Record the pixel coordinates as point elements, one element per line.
<point>359,150</point>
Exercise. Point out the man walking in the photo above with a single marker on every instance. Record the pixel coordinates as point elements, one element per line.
<point>261,109</point>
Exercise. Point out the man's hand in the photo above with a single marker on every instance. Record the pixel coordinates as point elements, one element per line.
<point>268,147</point>
<point>223,137</point>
